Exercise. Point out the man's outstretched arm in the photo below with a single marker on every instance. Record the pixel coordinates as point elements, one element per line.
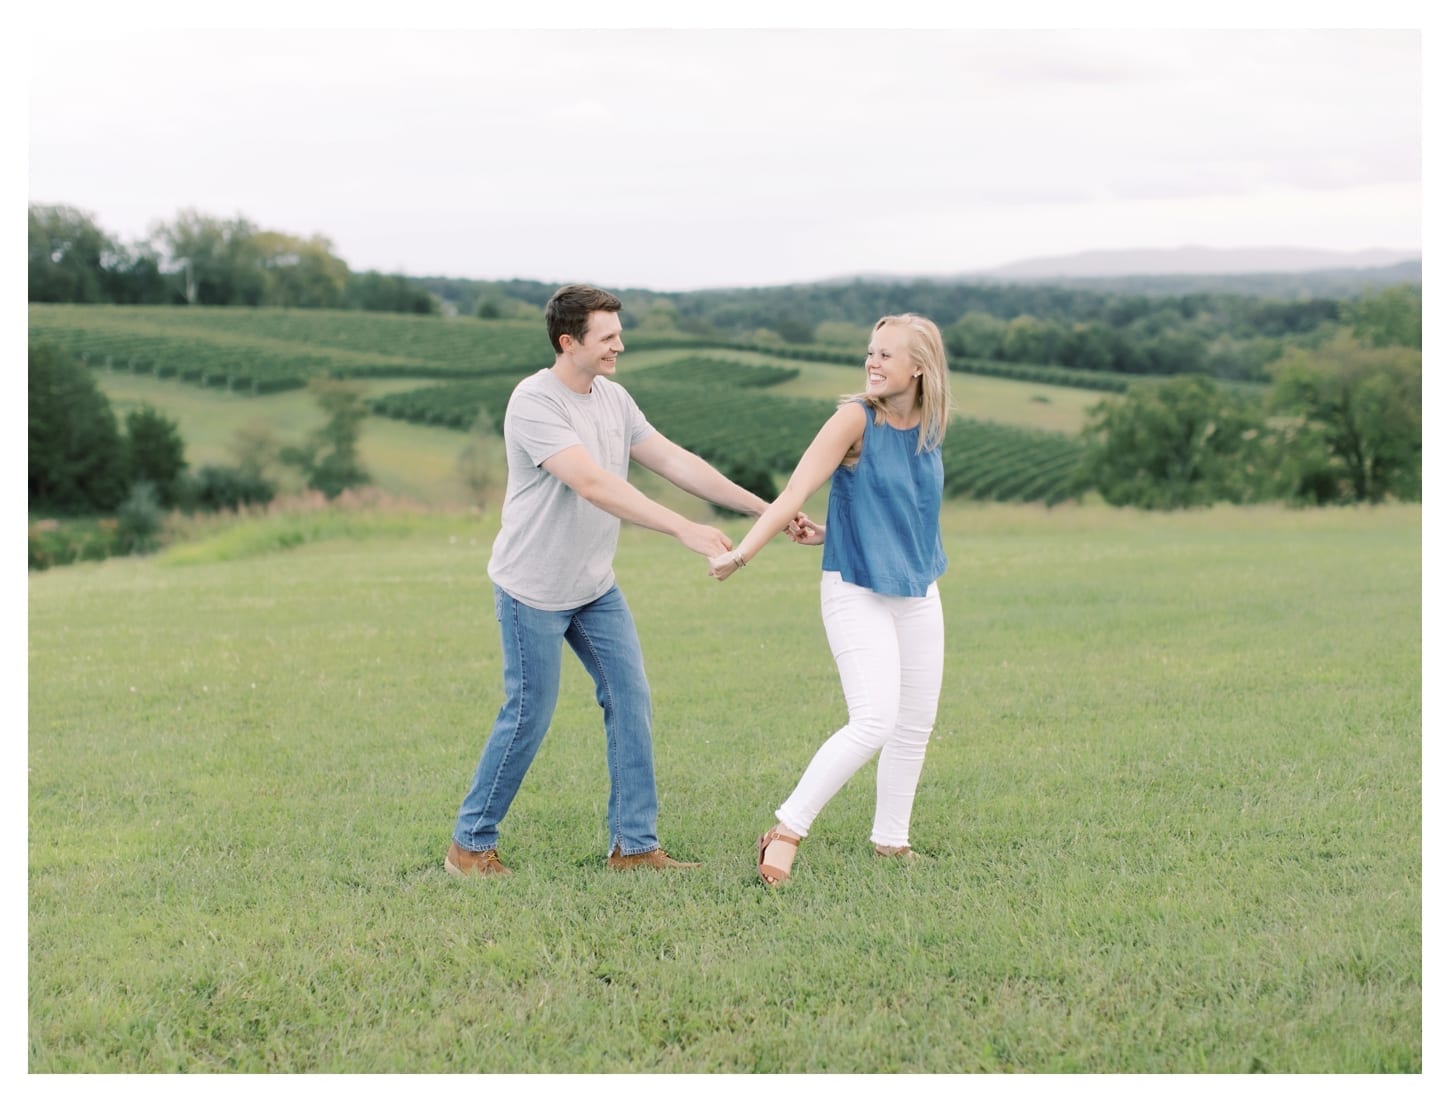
<point>575,467</point>
<point>693,475</point>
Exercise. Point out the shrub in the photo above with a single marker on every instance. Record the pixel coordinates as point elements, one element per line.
<point>754,477</point>
<point>155,452</point>
<point>139,519</point>
<point>215,488</point>
<point>77,458</point>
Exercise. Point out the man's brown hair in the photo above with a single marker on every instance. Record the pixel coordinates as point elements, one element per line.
<point>569,309</point>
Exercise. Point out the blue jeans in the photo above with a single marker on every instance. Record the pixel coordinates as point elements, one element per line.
<point>603,635</point>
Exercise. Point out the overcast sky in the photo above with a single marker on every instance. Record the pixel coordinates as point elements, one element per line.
<point>678,159</point>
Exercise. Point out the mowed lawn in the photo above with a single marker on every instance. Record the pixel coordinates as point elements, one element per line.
<point>1171,813</point>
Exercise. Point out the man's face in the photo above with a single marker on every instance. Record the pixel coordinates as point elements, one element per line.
<point>600,349</point>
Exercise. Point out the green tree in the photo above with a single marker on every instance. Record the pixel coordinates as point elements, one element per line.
<point>77,459</point>
<point>1360,407</point>
<point>1227,358</point>
<point>328,458</point>
<point>660,316</point>
<point>842,334</point>
<point>1390,318</point>
<point>793,328</point>
<point>975,336</point>
<point>68,255</point>
<point>297,271</point>
<point>1091,346</point>
<point>1030,340</point>
<point>391,293</point>
<point>218,264</point>
<point>1175,352</point>
<point>1175,444</point>
<point>745,471</point>
<point>234,263</point>
<point>136,277</point>
<point>155,452</point>
<point>255,449</point>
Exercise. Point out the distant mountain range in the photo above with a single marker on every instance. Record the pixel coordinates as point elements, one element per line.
<point>1267,272</point>
<point>1192,261</point>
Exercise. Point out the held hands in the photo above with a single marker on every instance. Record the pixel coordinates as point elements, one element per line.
<point>804,530</point>
<point>705,540</point>
<point>801,529</point>
<point>722,566</point>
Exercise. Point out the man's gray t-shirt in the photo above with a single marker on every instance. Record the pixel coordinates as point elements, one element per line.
<point>554,550</point>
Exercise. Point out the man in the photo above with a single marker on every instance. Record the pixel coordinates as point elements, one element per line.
<point>570,434</point>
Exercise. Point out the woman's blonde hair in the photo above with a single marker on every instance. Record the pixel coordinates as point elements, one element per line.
<point>928,354</point>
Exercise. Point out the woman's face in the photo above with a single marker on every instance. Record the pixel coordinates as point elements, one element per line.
<point>889,371</point>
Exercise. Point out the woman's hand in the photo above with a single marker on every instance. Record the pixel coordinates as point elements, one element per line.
<point>804,530</point>
<point>722,566</point>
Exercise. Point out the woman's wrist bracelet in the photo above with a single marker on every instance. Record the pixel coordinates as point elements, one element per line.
<point>739,561</point>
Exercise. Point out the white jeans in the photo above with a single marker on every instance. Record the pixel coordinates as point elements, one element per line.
<point>889,653</point>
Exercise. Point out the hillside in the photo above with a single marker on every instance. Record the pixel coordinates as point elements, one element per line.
<point>1251,274</point>
<point>1195,261</point>
<point>728,404</point>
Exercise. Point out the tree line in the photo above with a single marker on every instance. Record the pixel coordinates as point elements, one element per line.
<point>1337,419</point>
<point>1219,333</point>
<point>200,260</point>
<point>1106,326</point>
<point>1339,423</point>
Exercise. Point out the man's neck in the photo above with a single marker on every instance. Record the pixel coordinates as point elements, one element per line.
<point>579,382</point>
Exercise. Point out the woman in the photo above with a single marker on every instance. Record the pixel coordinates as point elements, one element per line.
<point>879,600</point>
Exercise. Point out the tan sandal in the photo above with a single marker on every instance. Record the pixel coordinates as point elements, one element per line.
<point>771,874</point>
<point>901,853</point>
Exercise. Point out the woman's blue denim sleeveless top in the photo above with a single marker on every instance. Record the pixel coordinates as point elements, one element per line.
<point>883,523</point>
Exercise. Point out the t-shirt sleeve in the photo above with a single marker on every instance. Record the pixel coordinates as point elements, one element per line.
<point>539,427</point>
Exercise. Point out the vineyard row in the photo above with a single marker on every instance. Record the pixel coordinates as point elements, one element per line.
<point>729,425</point>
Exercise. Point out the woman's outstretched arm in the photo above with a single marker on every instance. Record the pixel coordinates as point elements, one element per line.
<point>835,438</point>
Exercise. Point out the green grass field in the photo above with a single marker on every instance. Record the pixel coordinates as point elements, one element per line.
<point>1172,810</point>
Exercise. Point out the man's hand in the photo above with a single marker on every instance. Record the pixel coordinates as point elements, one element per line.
<point>705,540</point>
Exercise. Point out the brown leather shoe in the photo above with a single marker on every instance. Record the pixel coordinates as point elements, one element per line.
<point>468,862</point>
<point>654,859</point>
